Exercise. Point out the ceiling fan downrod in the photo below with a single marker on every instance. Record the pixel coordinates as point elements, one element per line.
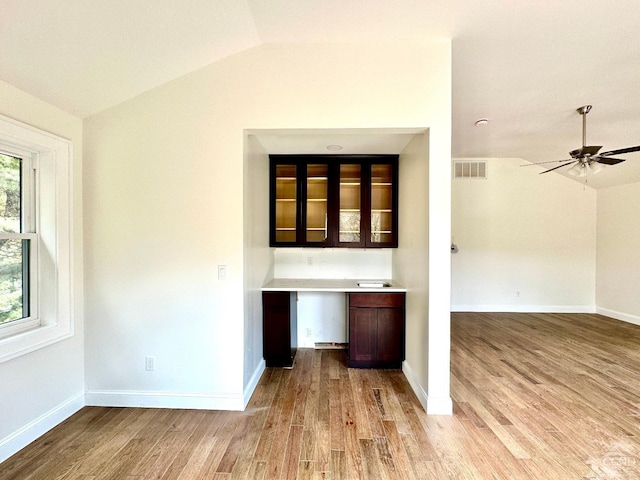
<point>583,111</point>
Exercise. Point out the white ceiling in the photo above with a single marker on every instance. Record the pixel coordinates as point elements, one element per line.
<point>524,65</point>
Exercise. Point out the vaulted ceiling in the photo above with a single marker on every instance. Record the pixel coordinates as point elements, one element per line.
<point>526,66</point>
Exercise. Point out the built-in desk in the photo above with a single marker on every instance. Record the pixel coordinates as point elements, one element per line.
<point>279,317</point>
<point>328,285</point>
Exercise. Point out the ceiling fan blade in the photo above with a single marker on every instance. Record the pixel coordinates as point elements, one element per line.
<point>621,150</point>
<point>608,160</point>
<point>555,168</point>
<point>549,161</point>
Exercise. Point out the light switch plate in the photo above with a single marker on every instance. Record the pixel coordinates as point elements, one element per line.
<point>222,272</point>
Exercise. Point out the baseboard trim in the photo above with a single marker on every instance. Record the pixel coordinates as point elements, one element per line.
<point>525,308</point>
<point>136,399</point>
<point>38,427</point>
<point>625,317</point>
<point>431,405</point>
<point>253,382</point>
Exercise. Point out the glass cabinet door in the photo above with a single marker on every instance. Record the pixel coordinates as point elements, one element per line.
<point>350,208</point>
<point>382,228</point>
<point>316,230</point>
<point>285,203</point>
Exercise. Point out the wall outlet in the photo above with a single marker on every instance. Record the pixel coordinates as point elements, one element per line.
<point>149,363</point>
<point>517,293</point>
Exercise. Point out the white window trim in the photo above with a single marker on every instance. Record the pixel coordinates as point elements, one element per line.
<point>54,312</point>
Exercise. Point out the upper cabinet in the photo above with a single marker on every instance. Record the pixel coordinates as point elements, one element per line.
<point>334,201</point>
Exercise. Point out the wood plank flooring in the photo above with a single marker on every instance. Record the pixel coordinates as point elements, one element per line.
<point>536,396</point>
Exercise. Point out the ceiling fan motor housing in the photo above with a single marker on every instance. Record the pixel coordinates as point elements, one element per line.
<point>586,151</point>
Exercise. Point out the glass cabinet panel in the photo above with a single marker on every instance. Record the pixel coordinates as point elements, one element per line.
<point>317,196</point>
<point>381,203</point>
<point>350,208</point>
<point>285,203</point>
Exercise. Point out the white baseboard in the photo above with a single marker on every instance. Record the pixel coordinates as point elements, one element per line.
<point>141,399</point>
<point>525,308</point>
<point>625,317</point>
<point>431,405</point>
<point>253,382</point>
<point>19,439</point>
<point>137,399</point>
<point>38,427</point>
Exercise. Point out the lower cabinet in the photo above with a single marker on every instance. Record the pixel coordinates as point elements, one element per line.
<point>376,330</point>
<point>278,328</point>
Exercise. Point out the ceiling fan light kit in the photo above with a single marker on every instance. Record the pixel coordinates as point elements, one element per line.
<point>577,170</point>
<point>587,157</point>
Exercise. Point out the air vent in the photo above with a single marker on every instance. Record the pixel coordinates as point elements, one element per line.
<point>470,169</point>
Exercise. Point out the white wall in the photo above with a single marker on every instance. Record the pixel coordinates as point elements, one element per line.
<point>618,247</point>
<point>321,317</point>
<point>258,257</point>
<point>164,205</point>
<point>355,263</point>
<point>40,389</point>
<point>526,241</point>
<point>419,263</point>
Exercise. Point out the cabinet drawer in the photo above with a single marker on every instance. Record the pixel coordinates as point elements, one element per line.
<point>276,299</point>
<point>376,300</point>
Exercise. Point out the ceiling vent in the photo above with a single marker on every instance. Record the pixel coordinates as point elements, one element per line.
<point>470,169</point>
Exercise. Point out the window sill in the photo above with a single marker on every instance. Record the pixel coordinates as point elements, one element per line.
<point>30,340</point>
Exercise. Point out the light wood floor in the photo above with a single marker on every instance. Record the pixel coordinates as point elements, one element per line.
<point>536,396</point>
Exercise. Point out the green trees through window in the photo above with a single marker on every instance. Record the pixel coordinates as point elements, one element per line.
<point>12,250</point>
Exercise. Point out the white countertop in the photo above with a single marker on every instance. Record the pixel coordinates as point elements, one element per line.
<point>327,285</point>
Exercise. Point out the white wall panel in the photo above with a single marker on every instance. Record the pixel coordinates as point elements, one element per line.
<point>166,174</point>
<point>526,241</point>
<point>41,388</point>
<point>618,243</point>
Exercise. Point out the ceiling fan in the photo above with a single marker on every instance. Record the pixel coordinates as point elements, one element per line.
<point>587,157</point>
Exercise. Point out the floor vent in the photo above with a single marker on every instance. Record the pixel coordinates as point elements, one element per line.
<point>470,169</point>
<point>330,346</point>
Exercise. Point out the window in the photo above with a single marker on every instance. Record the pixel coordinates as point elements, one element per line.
<point>18,244</point>
<point>35,239</point>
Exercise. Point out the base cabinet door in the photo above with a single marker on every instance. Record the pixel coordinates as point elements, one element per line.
<point>376,330</point>
<point>362,334</point>
<point>277,316</point>
<point>390,335</point>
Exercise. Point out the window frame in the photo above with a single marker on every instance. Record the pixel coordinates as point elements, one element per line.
<point>48,226</point>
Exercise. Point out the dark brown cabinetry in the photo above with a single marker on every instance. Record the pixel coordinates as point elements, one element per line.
<point>376,330</point>
<point>279,328</point>
<point>334,201</point>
